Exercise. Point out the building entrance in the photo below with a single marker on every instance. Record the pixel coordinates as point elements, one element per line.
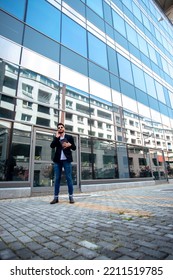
<point>43,168</point>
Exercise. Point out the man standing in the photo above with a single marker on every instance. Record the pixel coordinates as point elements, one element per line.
<point>64,145</point>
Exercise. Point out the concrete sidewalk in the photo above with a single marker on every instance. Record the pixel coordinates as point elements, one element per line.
<point>123,224</point>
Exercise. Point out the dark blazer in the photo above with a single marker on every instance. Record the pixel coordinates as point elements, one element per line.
<point>67,152</point>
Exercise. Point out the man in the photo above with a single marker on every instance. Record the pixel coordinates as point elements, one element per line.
<point>64,145</point>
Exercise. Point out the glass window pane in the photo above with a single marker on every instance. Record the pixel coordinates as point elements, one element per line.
<point>128,4</point>
<point>160,92</point>
<point>151,90</point>
<point>142,45</point>
<point>123,168</point>
<point>73,78</point>
<point>99,74</point>
<point>34,87</point>
<point>15,8</point>
<point>102,92</point>
<point>127,89</point>
<point>96,20</point>
<point>8,78</point>
<point>14,161</point>
<point>86,159</point>
<point>10,51</point>
<point>119,24</point>
<point>41,44</point>
<point>21,151</point>
<point>104,160</point>
<point>73,36</point>
<point>107,13</point>
<point>128,13</point>
<point>139,163</point>
<point>112,61</point>
<point>11,28</point>
<point>167,98</point>
<point>99,56</point>
<point>146,22</point>
<point>165,65</point>
<point>171,98</point>
<point>44,17</point>
<point>152,53</point>
<point>115,83</point>
<point>136,11</point>
<point>141,97</point>
<point>77,5</point>
<point>131,35</point>
<point>74,61</point>
<point>138,76</point>
<point>134,51</point>
<point>125,68</point>
<point>96,6</point>
<point>121,40</point>
<point>163,109</point>
<point>109,31</point>
<point>153,103</point>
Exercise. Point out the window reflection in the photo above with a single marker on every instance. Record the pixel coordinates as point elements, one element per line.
<point>72,34</point>
<point>119,23</point>
<point>125,68</point>
<point>16,10</point>
<point>44,17</point>
<point>9,75</point>
<point>104,161</point>
<point>96,6</point>
<point>14,152</point>
<point>44,101</point>
<point>139,162</point>
<point>100,56</point>
<point>38,93</point>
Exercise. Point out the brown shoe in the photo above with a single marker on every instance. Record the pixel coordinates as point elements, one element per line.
<point>55,200</point>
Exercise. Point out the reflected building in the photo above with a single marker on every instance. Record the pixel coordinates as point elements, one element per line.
<point>102,67</point>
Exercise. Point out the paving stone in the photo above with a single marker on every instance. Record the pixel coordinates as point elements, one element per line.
<point>101,258</point>
<point>56,239</point>
<point>125,258</point>
<point>3,245</point>
<point>6,254</point>
<point>155,253</point>
<point>25,254</point>
<point>113,255</point>
<point>52,246</point>
<point>45,253</point>
<point>107,245</point>
<point>88,254</point>
<point>88,245</point>
<point>169,235</point>
<point>24,239</point>
<point>93,228</point>
<point>33,246</point>
<point>16,245</point>
<point>40,239</point>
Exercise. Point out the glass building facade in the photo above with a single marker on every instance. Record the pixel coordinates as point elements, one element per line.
<point>104,68</point>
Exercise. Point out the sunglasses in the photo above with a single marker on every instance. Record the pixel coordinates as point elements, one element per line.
<point>59,127</point>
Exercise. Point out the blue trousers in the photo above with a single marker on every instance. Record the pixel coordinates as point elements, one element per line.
<point>68,174</point>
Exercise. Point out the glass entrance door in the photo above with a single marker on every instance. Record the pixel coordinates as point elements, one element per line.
<point>43,166</point>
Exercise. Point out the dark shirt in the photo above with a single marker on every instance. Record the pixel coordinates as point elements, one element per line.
<point>56,143</point>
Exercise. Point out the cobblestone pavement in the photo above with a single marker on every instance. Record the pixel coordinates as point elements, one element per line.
<point>123,224</point>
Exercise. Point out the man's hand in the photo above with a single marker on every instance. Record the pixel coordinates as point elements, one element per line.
<point>58,134</point>
<point>66,145</point>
